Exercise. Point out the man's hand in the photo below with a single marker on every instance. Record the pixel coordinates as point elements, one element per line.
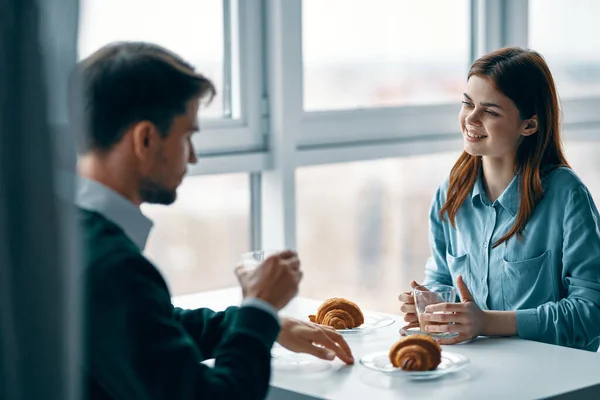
<point>306,337</point>
<point>274,281</point>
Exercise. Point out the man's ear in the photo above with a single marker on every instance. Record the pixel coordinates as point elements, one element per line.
<point>145,138</point>
<point>530,126</point>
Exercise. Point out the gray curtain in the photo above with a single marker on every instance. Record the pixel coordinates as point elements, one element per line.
<point>40,342</point>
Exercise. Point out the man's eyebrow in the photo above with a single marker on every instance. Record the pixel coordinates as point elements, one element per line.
<point>482,104</point>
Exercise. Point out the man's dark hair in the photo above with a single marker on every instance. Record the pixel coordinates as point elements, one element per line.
<point>127,82</point>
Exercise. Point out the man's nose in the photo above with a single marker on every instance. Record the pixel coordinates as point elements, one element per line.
<point>193,157</point>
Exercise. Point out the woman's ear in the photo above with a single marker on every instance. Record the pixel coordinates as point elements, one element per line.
<point>530,126</point>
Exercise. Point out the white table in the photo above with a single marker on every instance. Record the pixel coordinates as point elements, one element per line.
<point>506,368</point>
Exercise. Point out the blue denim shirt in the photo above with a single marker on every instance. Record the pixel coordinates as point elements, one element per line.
<point>550,276</point>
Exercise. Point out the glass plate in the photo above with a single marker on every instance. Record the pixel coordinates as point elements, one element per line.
<point>415,330</point>
<point>372,321</point>
<point>288,361</point>
<point>380,362</point>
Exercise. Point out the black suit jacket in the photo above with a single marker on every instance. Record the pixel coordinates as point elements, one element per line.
<point>138,346</point>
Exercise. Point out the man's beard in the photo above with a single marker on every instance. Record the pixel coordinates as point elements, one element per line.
<point>153,193</point>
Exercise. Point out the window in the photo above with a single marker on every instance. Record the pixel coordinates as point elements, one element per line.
<point>567,34</point>
<point>197,241</point>
<point>193,29</point>
<point>379,53</point>
<point>366,237</point>
<point>373,73</point>
<point>583,158</point>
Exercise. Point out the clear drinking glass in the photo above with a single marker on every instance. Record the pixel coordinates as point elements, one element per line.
<point>252,259</point>
<point>432,294</point>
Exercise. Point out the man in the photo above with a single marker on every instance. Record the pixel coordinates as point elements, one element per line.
<point>136,105</point>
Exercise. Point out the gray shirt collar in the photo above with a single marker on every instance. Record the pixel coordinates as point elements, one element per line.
<point>94,196</point>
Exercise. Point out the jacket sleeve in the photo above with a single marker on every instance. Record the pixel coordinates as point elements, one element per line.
<point>205,326</point>
<point>139,348</point>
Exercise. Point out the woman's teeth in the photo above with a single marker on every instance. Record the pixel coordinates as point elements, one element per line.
<point>469,134</point>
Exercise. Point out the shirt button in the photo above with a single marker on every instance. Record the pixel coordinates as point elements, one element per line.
<point>485,245</point>
<point>482,280</point>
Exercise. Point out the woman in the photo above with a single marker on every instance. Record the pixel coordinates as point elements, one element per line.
<point>513,228</point>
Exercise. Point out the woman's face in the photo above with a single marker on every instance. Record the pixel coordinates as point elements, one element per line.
<point>490,121</point>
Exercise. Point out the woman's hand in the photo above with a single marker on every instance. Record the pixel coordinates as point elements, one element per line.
<point>407,306</point>
<point>465,317</point>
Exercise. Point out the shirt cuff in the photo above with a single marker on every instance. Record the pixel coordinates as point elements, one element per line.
<point>261,305</point>
<point>528,324</point>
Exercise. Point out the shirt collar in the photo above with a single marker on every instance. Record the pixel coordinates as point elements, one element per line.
<point>94,196</point>
<point>509,199</point>
<point>479,189</point>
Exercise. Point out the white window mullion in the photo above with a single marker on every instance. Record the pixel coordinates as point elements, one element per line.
<point>227,59</point>
<point>497,24</point>
<point>488,30</point>
<point>243,49</point>
<point>255,210</point>
<point>475,26</point>
<point>346,127</point>
<point>284,64</point>
<point>515,23</point>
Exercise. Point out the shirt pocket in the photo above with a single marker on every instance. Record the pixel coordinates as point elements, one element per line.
<point>459,266</point>
<point>527,283</point>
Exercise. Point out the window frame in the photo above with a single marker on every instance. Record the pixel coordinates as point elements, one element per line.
<point>225,136</point>
<point>275,136</point>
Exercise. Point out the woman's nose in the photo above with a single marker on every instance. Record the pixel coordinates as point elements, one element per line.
<point>472,118</point>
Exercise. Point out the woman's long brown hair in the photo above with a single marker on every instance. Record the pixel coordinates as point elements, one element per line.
<point>524,77</point>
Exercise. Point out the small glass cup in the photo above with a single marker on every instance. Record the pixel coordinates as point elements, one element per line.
<point>253,259</point>
<point>432,294</point>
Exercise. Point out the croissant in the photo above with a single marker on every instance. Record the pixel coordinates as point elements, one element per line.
<point>339,313</point>
<point>416,353</point>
